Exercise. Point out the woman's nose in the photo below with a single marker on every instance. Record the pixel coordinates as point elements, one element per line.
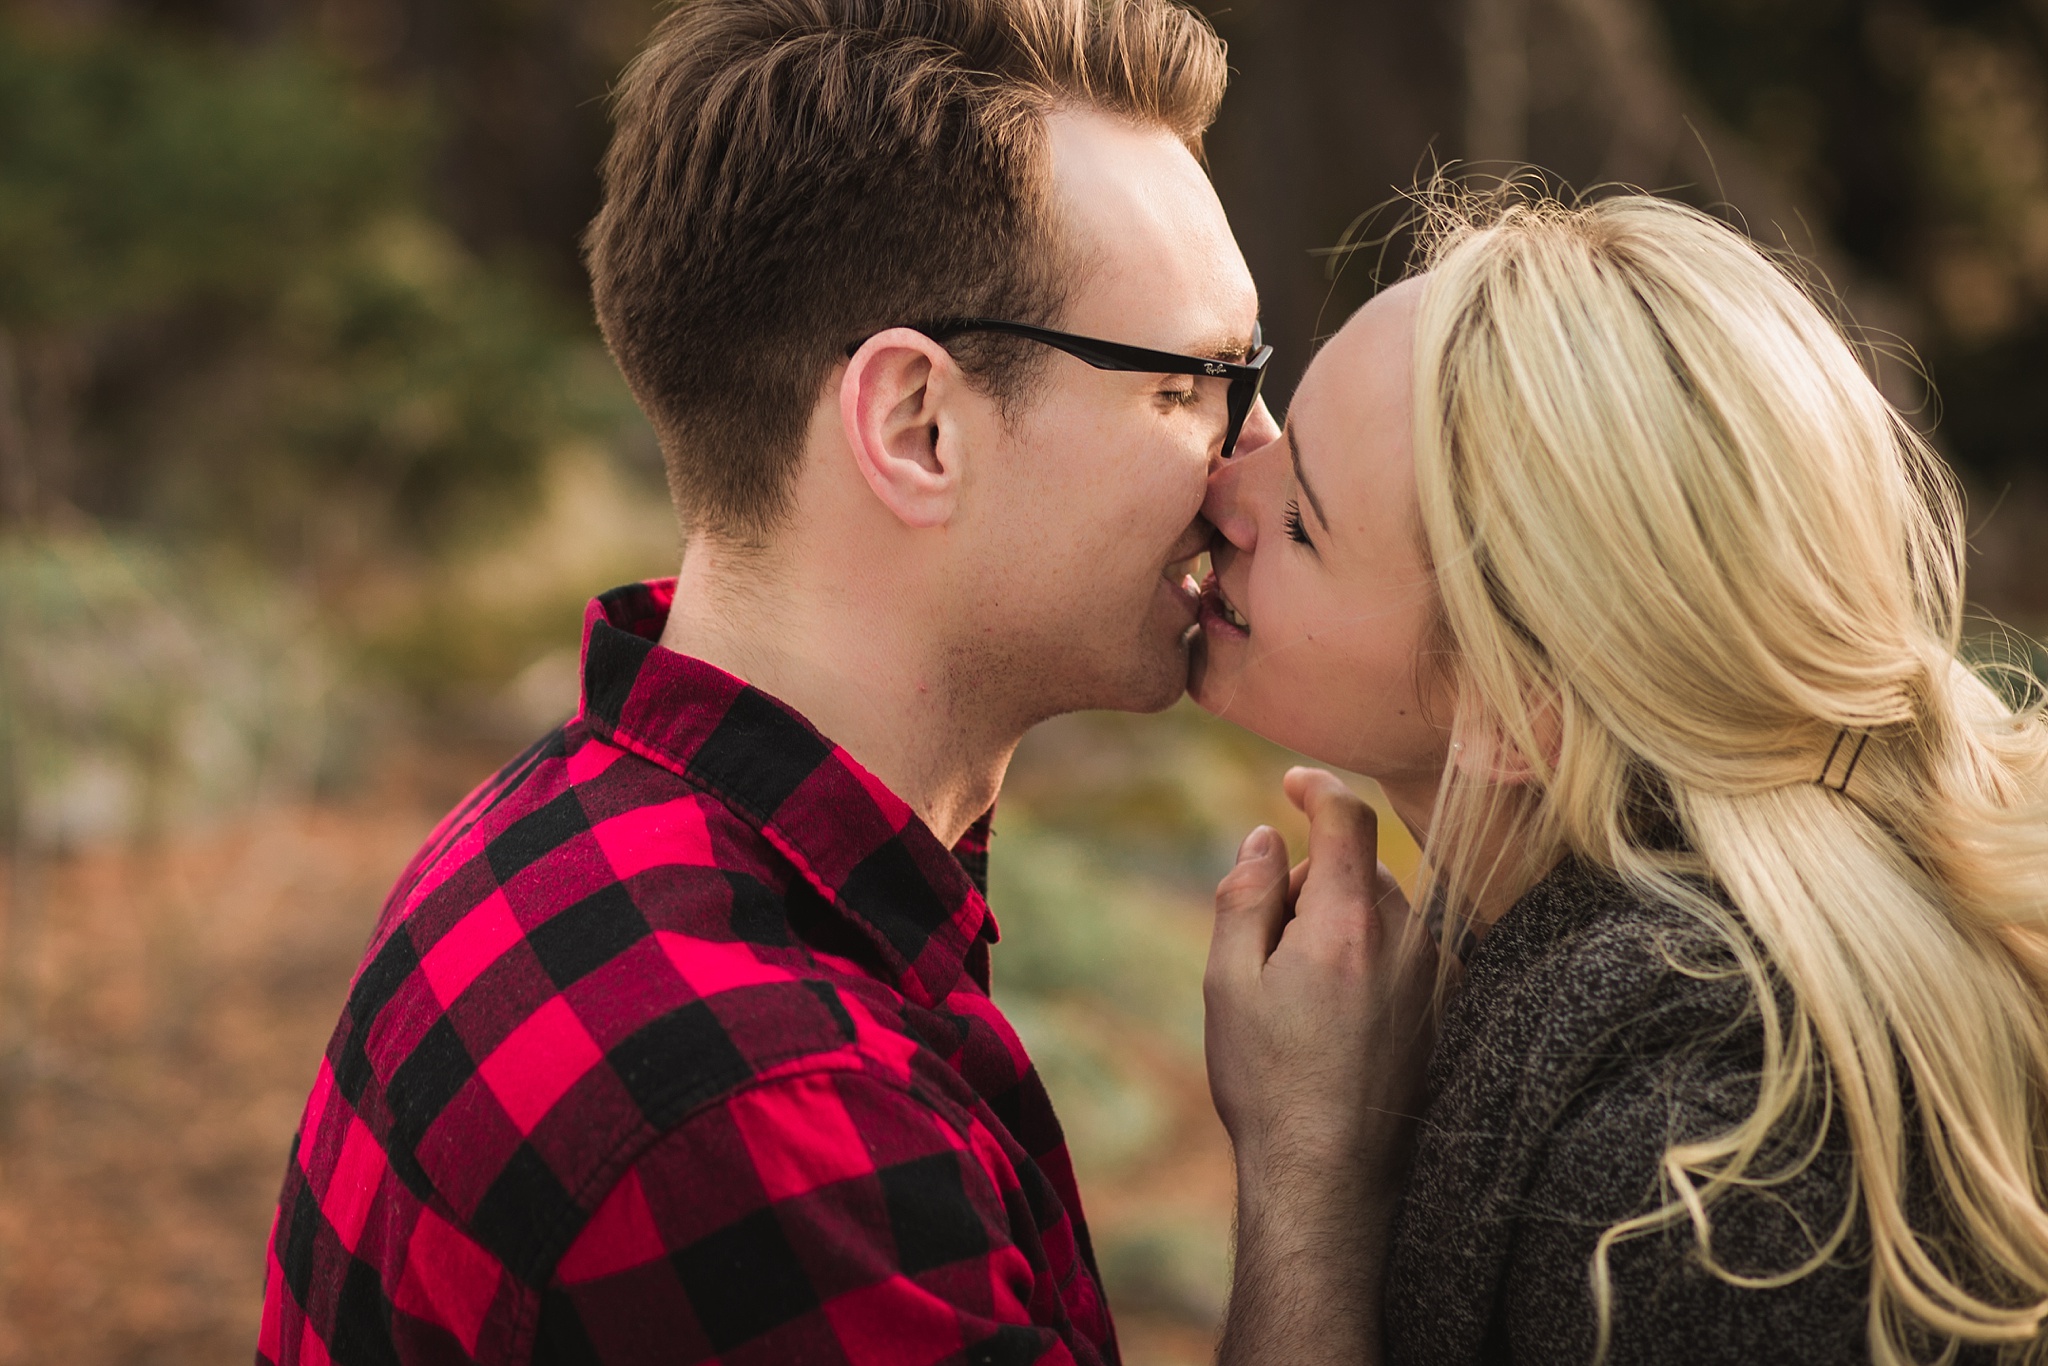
<point>1231,505</point>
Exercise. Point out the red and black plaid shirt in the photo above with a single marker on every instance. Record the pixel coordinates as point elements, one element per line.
<point>674,1043</point>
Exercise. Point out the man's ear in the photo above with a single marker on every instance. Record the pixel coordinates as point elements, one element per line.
<point>890,402</point>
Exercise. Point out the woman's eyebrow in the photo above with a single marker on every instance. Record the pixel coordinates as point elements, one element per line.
<point>1294,454</point>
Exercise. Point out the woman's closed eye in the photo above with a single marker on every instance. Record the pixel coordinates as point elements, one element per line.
<point>1296,530</point>
<point>1185,397</point>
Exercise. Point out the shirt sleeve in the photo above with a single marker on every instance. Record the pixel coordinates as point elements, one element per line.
<point>1603,1165</point>
<point>826,1216</point>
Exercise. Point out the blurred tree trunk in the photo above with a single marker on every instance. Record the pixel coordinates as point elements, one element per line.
<point>1337,105</point>
<point>1334,107</point>
<point>1496,41</point>
<point>1664,137</point>
<point>17,471</point>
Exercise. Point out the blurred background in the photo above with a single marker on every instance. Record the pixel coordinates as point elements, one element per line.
<point>309,456</point>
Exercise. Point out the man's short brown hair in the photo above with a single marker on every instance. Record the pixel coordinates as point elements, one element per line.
<point>791,176</point>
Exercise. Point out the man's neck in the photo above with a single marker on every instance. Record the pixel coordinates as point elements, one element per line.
<point>830,647</point>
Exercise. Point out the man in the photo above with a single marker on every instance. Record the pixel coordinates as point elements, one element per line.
<point>674,1041</point>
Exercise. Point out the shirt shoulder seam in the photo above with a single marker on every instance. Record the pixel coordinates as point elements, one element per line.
<point>631,1149</point>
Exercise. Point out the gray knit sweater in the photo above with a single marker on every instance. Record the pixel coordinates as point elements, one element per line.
<point>1573,1056</point>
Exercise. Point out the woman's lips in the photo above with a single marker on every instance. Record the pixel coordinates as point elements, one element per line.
<point>1219,613</point>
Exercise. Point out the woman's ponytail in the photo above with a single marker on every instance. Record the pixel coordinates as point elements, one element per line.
<point>1663,499</point>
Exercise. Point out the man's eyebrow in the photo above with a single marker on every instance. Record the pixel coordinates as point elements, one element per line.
<point>1294,454</point>
<point>1229,348</point>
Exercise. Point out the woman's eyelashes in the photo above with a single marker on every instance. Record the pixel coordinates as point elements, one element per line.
<point>1292,521</point>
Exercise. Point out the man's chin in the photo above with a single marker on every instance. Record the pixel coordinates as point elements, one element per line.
<point>1197,664</point>
<point>1206,693</point>
<point>1198,669</point>
<point>1158,693</point>
<point>1152,683</point>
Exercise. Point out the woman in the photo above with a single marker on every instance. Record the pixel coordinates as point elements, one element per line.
<point>1598,550</point>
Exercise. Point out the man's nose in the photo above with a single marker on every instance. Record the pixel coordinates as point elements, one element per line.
<point>1259,427</point>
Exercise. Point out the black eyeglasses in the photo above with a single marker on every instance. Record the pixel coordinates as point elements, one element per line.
<point>1244,378</point>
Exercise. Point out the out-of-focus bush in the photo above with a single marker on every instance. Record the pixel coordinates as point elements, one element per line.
<point>265,422</point>
<point>227,309</point>
<point>150,692</point>
<point>138,175</point>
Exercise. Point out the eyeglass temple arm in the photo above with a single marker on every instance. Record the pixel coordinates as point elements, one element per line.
<point>1100,354</point>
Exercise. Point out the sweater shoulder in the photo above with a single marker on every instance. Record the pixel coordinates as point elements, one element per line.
<point>1586,972</point>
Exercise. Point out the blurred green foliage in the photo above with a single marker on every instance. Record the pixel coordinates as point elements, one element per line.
<point>1076,926</point>
<point>136,174</point>
<point>232,312</point>
<point>155,692</point>
<point>1100,970</point>
<point>257,403</point>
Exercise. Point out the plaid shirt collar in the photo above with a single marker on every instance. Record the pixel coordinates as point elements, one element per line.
<point>922,906</point>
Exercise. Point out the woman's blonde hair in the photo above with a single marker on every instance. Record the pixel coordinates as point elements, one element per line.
<point>1674,523</point>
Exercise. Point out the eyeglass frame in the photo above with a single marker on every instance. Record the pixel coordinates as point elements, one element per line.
<point>1245,378</point>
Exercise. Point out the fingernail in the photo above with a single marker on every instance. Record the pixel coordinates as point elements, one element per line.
<point>1254,843</point>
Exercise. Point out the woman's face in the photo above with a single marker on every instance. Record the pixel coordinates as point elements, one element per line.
<point>1315,622</point>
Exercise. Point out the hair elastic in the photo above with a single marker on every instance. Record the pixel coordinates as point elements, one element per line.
<point>1862,739</point>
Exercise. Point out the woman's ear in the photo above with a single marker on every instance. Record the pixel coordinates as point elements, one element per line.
<point>1482,748</point>
<point>891,401</point>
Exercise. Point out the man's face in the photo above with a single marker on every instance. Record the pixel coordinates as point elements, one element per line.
<point>1090,512</point>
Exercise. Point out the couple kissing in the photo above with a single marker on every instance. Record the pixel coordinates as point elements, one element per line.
<point>1714,1029</point>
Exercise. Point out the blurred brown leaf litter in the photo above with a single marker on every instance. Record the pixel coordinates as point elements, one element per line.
<point>309,457</point>
<point>181,993</point>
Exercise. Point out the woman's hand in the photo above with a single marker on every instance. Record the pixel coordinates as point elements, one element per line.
<point>1320,1021</point>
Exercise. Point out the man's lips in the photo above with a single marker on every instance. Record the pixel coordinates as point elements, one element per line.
<point>1187,560</point>
<point>1219,612</point>
<point>1179,576</point>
